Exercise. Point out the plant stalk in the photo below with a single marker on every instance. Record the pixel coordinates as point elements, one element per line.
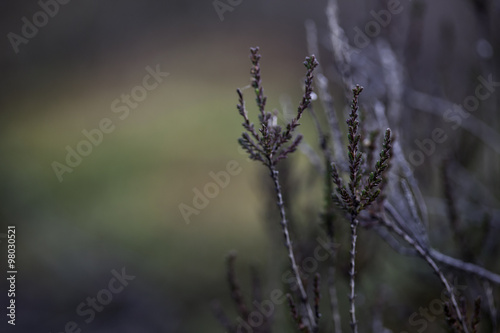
<point>352,274</point>
<point>288,245</point>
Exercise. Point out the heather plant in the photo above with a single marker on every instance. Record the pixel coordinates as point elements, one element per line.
<point>270,145</point>
<point>362,202</point>
<point>378,193</point>
<point>362,192</point>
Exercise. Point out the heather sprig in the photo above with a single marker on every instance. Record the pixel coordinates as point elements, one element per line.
<point>353,152</point>
<point>270,145</point>
<point>354,199</point>
<point>372,188</point>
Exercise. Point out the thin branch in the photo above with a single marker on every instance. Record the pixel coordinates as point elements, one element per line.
<point>453,263</point>
<point>352,273</point>
<point>393,242</point>
<point>465,266</point>
<point>424,254</point>
<point>288,245</point>
<point>398,219</point>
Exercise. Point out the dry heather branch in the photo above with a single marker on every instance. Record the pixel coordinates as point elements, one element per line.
<point>269,147</point>
<point>399,215</point>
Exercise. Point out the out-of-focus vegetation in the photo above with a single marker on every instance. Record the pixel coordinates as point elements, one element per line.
<point>120,206</point>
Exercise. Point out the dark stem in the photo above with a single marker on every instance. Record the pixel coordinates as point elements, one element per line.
<point>352,274</point>
<point>288,245</point>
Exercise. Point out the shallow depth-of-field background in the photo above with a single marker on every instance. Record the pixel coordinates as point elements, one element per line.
<point>119,208</point>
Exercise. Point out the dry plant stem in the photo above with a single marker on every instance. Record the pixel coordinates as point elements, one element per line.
<point>357,199</point>
<point>352,274</point>
<point>465,266</point>
<point>354,163</point>
<point>273,144</point>
<point>288,245</point>
<point>423,253</point>
<point>394,243</point>
<point>451,262</point>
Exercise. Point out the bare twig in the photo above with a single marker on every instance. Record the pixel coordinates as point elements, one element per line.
<point>360,194</point>
<point>352,273</point>
<point>289,247</point>
<point>465,266</point>
<point>453,263</point>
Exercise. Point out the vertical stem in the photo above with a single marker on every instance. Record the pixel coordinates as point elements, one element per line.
<point>288,245</point>
<point>352,273</point>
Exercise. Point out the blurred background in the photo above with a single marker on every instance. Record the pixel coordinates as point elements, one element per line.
<point>120,206</point>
